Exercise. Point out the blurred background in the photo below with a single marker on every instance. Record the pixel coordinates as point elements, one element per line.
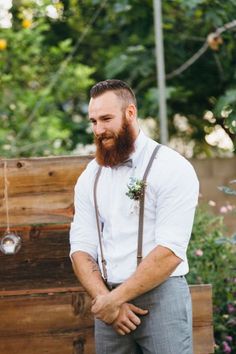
<point>52,51</point>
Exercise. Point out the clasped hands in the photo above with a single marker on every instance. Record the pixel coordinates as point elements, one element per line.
<point>123,317</point>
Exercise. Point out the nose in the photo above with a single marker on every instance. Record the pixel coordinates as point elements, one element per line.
<point>99,128</point>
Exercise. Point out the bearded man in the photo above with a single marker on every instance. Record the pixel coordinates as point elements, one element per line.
<point>134,210</point>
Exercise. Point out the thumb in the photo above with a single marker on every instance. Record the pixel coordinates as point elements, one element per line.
<point>138,310</point>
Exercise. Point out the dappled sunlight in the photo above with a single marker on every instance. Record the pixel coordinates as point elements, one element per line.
<point>218,137</point>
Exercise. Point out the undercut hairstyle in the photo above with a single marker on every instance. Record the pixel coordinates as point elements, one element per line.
<point>120,88</point>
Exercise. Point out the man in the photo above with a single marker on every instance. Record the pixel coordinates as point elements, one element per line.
<point>144,308</point>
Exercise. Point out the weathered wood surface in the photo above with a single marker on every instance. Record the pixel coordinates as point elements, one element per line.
<point>202,319</point>
<point>58,321</point>
<point>42,307</point>
<point>40,190</point>
<point>80,342</point>
<point>39,293</point>
<point>42,262</point>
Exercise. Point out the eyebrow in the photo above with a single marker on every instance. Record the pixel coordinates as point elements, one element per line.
<point>102,117</point>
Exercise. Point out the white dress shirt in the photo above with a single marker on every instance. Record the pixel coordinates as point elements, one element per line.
<point>170,201</point>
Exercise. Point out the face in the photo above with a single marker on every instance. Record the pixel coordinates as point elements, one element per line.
<point>113,128</point>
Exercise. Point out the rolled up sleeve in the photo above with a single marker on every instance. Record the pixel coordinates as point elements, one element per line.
<point>83,232</point>
<point>176,203</point>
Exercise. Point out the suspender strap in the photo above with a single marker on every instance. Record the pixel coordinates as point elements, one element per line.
<point>141,207</point>
<point>104,270</point>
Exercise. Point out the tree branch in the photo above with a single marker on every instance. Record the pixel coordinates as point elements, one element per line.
<point>228,26</point>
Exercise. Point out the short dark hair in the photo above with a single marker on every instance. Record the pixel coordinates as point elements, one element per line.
<point>120,88</point>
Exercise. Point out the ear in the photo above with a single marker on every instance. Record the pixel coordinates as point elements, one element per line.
<point>131,112</point>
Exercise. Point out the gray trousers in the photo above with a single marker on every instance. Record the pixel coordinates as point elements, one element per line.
<point>167,329</point>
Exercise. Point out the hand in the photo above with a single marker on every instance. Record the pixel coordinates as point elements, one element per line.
<point>127,319</point>
<point>105,309</point>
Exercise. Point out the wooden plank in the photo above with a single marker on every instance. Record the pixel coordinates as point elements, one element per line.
<point>201,299</point>
<point>60,311</point>
<point>202,304</point>
<point>203,340</point>
<point>47,291</point>
<point>55,313</point>
<point>40,189</point>
<point>203,337</point>
<point>66,343</point>
<point>42,262</point>
<point>76,342</point>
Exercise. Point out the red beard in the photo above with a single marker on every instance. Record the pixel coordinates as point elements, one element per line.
<point>120,149</point>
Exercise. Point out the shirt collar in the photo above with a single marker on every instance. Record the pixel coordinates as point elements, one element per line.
<point>139,145</point>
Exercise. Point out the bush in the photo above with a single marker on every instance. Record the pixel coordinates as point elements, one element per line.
<point>212,261</point>
<point>43,88</point>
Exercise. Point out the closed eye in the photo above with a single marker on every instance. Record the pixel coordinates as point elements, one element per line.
<point>104,118</point>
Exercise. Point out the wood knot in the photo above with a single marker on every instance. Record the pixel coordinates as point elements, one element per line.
<point>79,304</point>
<point>78,345</point>
<point>35,232</point>
<point>19,164</point>
<point>51,173</point>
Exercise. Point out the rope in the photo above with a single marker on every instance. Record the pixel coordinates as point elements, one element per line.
<point>6,183</point>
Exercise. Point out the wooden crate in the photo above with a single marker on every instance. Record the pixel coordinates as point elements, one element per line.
<point>43,309</point>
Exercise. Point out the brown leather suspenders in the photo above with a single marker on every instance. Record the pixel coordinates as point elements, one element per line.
<point>100,230</point>
<point>141,207</point>
<point>141,215</point>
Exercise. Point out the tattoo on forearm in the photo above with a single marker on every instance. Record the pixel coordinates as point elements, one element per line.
<point>94,265</point>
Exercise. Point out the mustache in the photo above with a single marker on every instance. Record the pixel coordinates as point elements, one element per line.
<point>102,136</point>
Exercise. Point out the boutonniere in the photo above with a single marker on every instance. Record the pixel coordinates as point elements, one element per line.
<point>136,188</point>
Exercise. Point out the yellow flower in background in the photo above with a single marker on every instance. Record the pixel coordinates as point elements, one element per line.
<point>26,23</point>
<point>3,44</point>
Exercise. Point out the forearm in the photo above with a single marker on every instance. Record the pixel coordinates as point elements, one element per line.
<point>88,273</point>
<point>152,271</point>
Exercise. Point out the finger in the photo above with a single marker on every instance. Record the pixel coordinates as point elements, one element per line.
<point>130,325</point>
<point>134,319</point>
<point>138,310</point>
<point>117,327</point>
<point>124,328</point>
<point>119,331</point>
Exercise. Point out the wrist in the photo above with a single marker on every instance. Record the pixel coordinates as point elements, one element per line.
<point>117,297</point>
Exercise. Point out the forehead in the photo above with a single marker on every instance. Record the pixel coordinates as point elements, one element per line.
<point>107,103</point>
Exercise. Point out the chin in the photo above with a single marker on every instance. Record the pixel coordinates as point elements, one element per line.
<point>108,143</point>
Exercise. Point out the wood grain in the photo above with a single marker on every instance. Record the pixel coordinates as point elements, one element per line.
<point>61,314</point>
<point>40,190</point>
<point>76,342</point>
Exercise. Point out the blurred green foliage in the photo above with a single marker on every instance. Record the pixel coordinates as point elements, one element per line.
<point>42,101</point>
<point>212,261</point>
<point>50,63</point>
